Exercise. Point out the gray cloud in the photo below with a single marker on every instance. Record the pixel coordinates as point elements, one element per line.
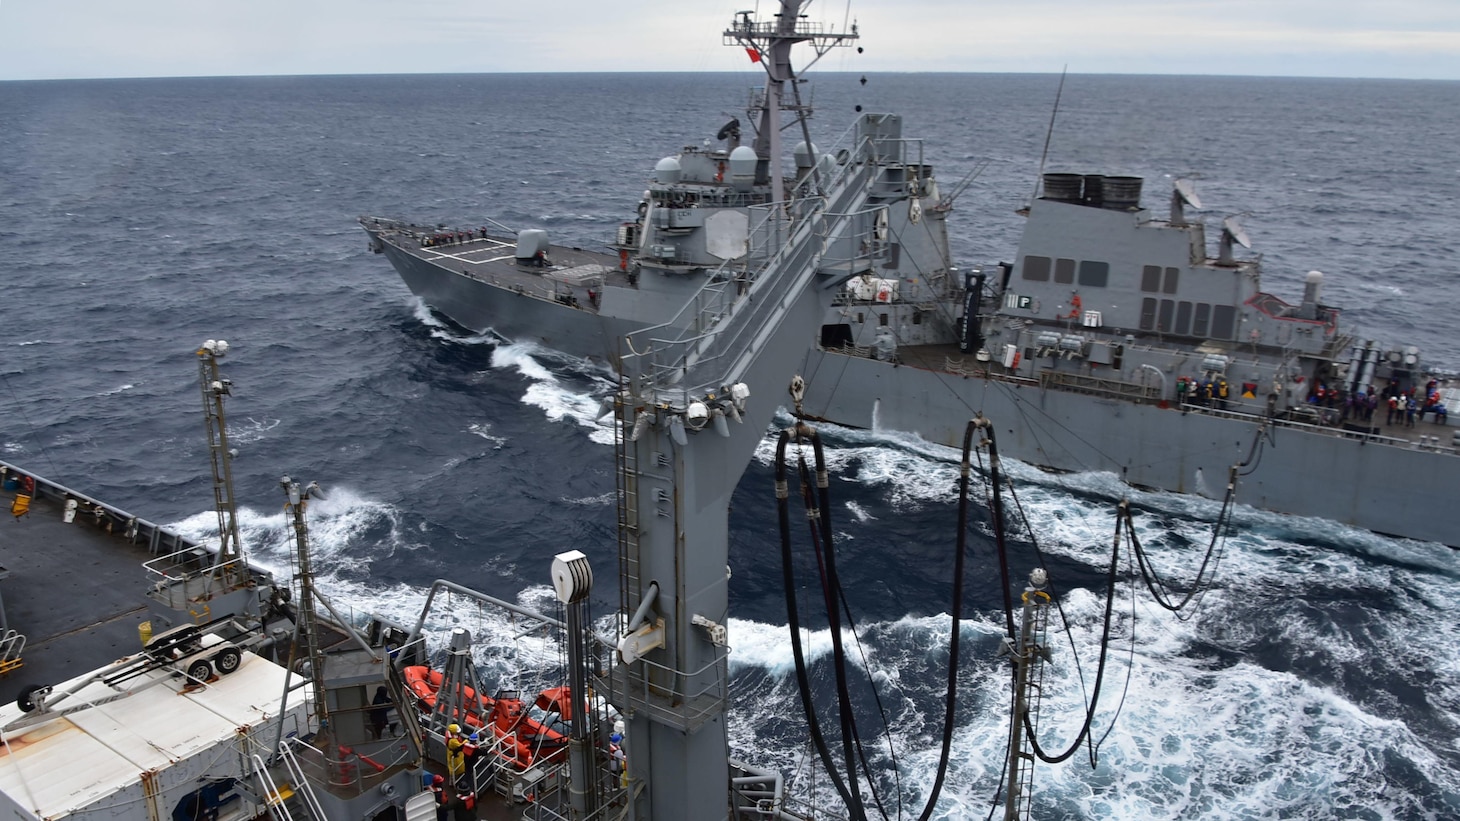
<point>104,38</point>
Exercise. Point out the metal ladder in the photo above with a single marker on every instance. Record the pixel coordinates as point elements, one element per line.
<point>627,486</point>
<point>1029,654</point>
<point>292,801</point>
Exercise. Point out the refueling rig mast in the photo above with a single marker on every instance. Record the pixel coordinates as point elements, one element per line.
<point>687,427</point>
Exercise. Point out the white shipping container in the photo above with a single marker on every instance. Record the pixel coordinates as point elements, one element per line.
<point>138,757</point>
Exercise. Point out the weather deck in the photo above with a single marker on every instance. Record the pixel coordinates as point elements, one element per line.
<point>75,591</point>
<point>1424,433</point>
<point>565,272</point>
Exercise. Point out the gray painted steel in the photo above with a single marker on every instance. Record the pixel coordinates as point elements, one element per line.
<point>1306,470</point>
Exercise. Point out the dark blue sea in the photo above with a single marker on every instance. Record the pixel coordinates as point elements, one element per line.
<point>1318,679</point>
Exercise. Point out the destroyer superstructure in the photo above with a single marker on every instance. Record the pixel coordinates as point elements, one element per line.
<point>1109,316</point>
<point>689,237</point>
<point>1126,341</point>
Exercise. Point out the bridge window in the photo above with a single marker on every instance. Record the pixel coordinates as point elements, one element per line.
<point>1224,321</point>
<point>1169,286</point>
<point>1148,314</point>
<point>1151,279</point>
<point>1064,271</point>
<point>1036,269</point>
<point>1094,274</point>
<point>1183,318</point>
<point>1200,320</point>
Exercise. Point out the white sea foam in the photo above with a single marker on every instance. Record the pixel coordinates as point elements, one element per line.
<point>859,513</point>
<point>484,430</point>
<point>505,655</point>
<point>446,331</point>
<point>560,400</point>
<point>1202,730</point>
<point>116,390</point>
<point>1197,734</point>
<point>250,430</point>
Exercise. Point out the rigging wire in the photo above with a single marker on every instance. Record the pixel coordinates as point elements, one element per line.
<point>950,701</point>
<point>1057,600</point>
<point>996,480</point>
<point>822,544</point>
<point>1125,525</point>
<point>1129,668</point>
<point>839,668</point>
<point>837,592</point>
<point>1094,704</point>
<point>817,512</point>
<point>819,520</point>
<point>788,579</point>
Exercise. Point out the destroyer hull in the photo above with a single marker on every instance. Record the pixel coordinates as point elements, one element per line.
<point>527,308</point>
<point>1376,484</point>
<point>1304,470</point>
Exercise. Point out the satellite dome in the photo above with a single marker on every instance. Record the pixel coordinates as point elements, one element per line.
<point>668,171</point>
<point>804,155</point>
<point>742,167</point>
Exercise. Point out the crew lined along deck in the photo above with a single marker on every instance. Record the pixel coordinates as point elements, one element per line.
<point>1430,431</point>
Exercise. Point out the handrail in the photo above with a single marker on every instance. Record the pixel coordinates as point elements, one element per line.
<point>302,785</point>
<point>788,245</point>
<point>134,528</point>
<point>272,799</point>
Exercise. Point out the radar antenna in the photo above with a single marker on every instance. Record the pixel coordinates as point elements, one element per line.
<point>1183,193</point>
<point>1232,232</point>
<point>730,131</point>
<point>769,43</point>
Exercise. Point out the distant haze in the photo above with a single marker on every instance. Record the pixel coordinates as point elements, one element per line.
<point>1418,39</point>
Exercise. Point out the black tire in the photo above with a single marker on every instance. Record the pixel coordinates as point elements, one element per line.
<point>24,701</point>
<point>227,660</point>
<point>200,670</point>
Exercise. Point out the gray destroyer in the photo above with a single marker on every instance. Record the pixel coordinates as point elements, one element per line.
<point>1119,339</point>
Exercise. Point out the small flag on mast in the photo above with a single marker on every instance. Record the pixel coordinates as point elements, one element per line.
<point>754,54</point>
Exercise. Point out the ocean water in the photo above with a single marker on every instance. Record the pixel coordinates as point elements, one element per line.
<point>1317,679</point>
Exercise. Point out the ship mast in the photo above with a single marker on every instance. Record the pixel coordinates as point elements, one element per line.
<point>686,428</point>
<point>230,570</point>
<point>307,624</point>
<point>1027,652</point>
<point>770,44</point>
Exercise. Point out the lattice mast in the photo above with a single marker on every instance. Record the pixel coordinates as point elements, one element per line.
<point>307,623</point>
<point>769,43</point>
<point>231,568</point>
<point>1028,653</point>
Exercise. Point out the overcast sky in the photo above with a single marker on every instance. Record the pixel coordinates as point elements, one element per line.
<point>49,39</point>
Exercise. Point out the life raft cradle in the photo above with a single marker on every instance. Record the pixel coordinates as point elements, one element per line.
<point>517,739</point>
